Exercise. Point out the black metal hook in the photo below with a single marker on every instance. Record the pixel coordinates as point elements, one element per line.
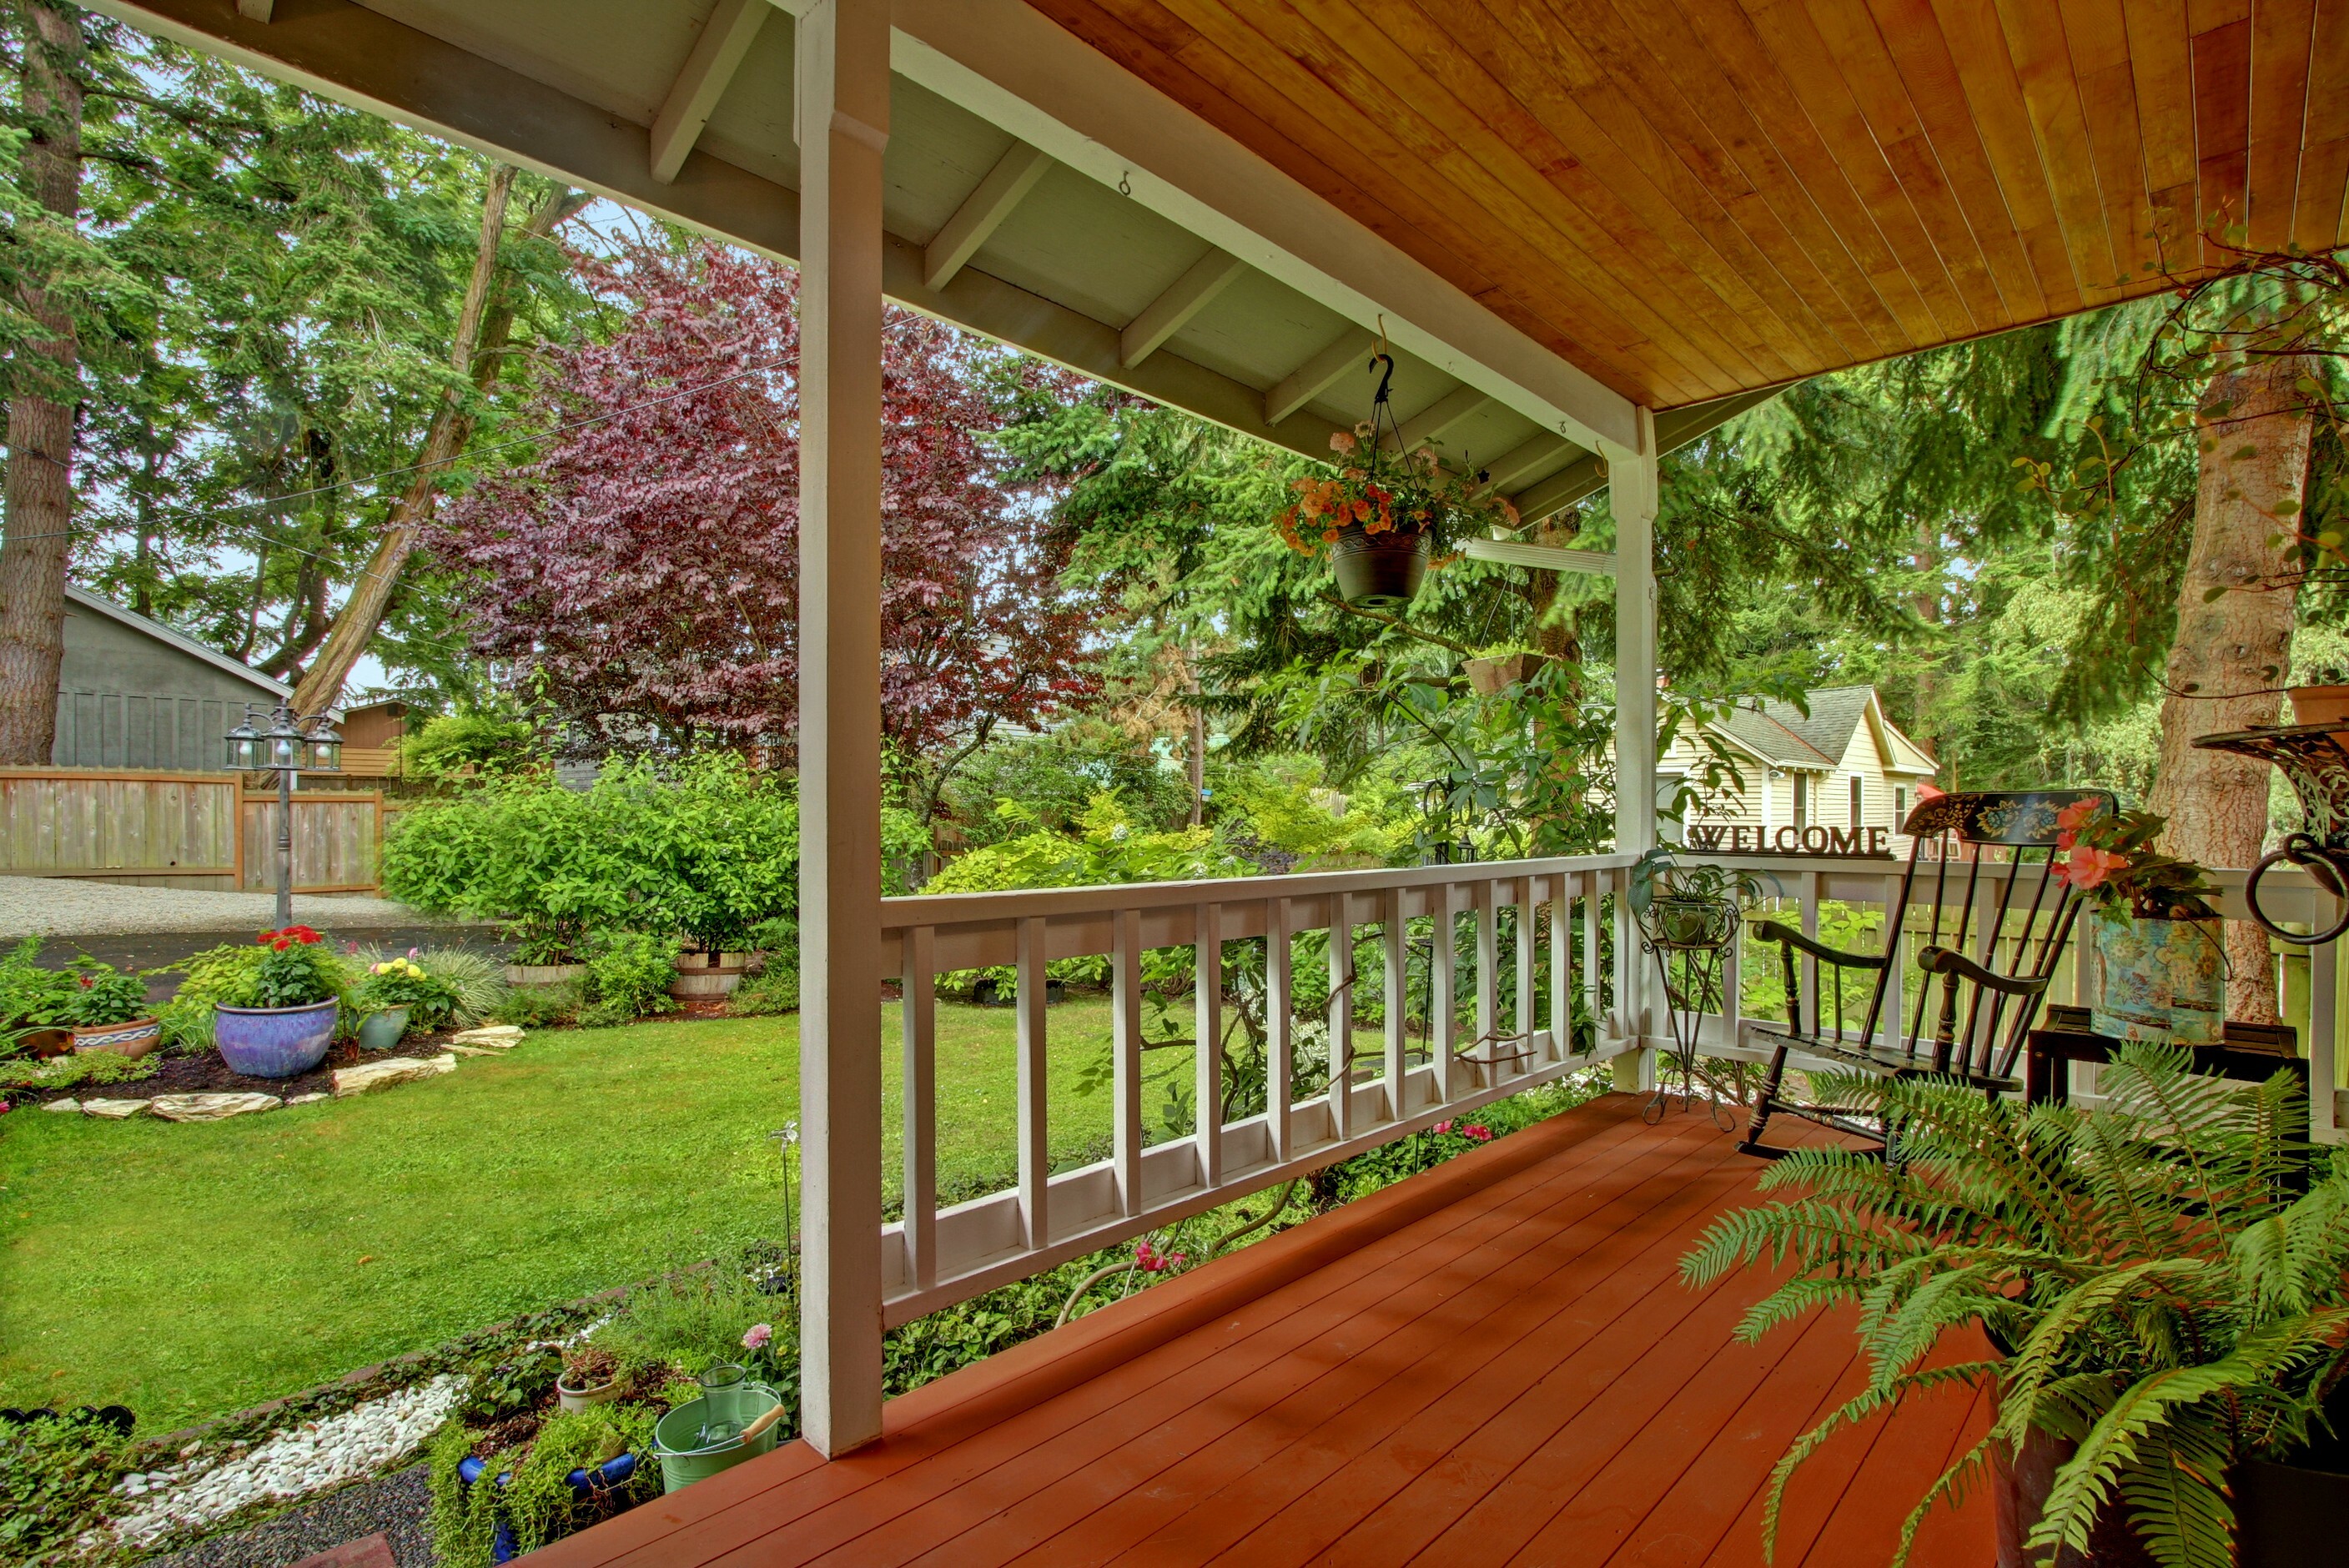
<point>2328,867</point>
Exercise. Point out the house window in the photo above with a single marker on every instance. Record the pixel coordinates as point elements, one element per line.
<point>1854,801</point>
<point>1802,802</point>
<point>1899,807</point>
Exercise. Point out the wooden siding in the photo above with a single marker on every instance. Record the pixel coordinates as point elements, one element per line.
<point>1702,197</point>
<point>336,840</point>
<point>1495,1362</point>
<point>150,828</point>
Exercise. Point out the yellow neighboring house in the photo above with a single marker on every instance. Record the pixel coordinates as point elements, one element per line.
<point>1841,778</point>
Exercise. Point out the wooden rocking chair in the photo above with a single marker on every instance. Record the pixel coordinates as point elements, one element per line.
<point>1995,930</point>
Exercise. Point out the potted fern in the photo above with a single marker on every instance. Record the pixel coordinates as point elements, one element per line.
<point>2160,1281</point>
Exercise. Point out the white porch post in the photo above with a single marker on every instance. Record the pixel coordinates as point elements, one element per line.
<point>1632,495</point>
<point>843,117</point>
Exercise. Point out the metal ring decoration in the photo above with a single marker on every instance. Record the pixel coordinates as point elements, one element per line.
<point>2329,867</point>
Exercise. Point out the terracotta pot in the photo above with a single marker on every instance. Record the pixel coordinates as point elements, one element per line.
<point>1378,571</point>
<point>133,1039</point>
<point>2321,705</point>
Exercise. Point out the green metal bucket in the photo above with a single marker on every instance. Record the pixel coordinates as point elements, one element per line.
<point>684,1459</point>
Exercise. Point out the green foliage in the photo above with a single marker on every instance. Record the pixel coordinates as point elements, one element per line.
<point>505,1381</point>
<point>97,993</point>
<point>1055,776</point>
<point>217,976</point>
<point>2166,1277</point>
<point>76,1070</point>
<point>56,1482</point>
<point>774,989</point>
<point>1107,847</point>
<point>29,995</point>
<point>390,983</point>
<point>1278,810</point>
<point>460,746</point>
<point>628,975</point>
<point>476,982</point>
<point>529,1487</point>
<point>524,849</point>
<point>296,974</point>
<point>539,1006</point>
<point>690,1321</point>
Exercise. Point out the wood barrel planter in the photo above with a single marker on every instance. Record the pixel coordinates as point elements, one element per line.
<point>700,972</point>
<point>544,973</point>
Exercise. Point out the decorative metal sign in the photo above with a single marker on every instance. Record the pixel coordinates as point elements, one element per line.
<point>1837,843</point>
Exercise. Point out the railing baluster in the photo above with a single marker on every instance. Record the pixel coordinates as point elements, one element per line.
<point>918,1032</point>
<point>2323,1027</point>
<point>1342,1015</point>
<point>1125,1042</point>
<point>1279,1015</point>
<point>1034,1134</point>
<point>1594,978</point>
<point>1820,1011</point>
<point>1895,959</point>
<point>1207,1054</point>
<point>1444,987</point>
<point>1523,1051</point>
<point>1732,983</point>
<point>1561,967</point>
<point>1395,995</point>
<point>1488,980</point>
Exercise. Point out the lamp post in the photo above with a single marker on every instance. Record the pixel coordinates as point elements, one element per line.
<point>292,745</point>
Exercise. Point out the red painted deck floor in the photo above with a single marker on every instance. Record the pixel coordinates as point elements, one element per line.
<point>1493,1363</point>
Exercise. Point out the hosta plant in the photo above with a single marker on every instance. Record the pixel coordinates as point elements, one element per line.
<point>2161,1277</point>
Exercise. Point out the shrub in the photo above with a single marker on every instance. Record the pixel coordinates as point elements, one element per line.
<point>74,1071</point>
<point>56,1479</point>
<point>95,995</point>
<point>539,1006</point>
<point>690,1321</point>
<point>28,993</point>
<point>391,983</point>
<point>522,850</point>
<point>775,989</point>
<point>628,975</point>
<point>709,849</point>
<point>536,1499</point>
<point>1057,775</point>
<point>468,745</point>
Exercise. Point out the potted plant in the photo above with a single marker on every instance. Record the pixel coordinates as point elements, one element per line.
<point>2324,700</point>
<point>288,1001</point>
<point>1379,518</point>
<point>106,1010</point>
<point>393,994</point>
<point>1689,906</point>
<point>2156,1290</point>
<point>544,956</point>
<point>2157,958</point>
<point>591,1376</point>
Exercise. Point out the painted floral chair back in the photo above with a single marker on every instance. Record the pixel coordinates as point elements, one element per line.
<point>1989,917</point>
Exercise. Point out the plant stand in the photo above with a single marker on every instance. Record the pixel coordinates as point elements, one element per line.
<point>1690,940</point>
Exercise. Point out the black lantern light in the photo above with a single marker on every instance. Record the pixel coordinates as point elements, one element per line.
<point>283,741</point>
<point>325,747</point>
<point>244,749</point>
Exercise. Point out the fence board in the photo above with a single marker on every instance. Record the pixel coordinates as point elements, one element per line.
<point>150,828</point>
<point>337,837</point>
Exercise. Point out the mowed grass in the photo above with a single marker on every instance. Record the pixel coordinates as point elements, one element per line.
<point>190,1271</point>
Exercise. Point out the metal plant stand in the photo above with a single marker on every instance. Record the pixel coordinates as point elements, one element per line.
<point>2316,765</point>
<point>1690,941</point>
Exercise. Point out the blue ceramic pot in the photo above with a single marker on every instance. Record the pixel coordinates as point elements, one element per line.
<point>275,1042</point>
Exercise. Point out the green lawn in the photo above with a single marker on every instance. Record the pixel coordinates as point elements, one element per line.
<point>190,1271</point>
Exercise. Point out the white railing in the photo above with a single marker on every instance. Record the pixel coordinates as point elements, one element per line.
<point>935,1257</point>
<point>1805,884</point>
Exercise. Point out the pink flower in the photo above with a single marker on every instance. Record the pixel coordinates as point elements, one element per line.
<point>757,1335</point>
<point>1476,1133</point>
<point>2077,815</point>
<point>1443,1127</point>
<point>2089,866</point>
<point>1342,440</point>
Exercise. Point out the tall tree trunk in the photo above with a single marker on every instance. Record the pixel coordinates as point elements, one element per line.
<point>1555,635</point>
<point>1196,760</point>
<point>35,547</point>
<point>473,351</point>
<point>2232,647</point>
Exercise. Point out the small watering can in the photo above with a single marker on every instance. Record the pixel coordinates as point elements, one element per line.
<point>2316,765</point>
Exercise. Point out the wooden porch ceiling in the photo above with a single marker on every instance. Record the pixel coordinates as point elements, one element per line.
<point>1692,198</point>
<point>1492,1363</point>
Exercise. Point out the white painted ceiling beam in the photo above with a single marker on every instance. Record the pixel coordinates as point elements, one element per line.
<point>1171,312</point>
<point>1507,472</point>
<point>1544,557</point>
<point>717,54</point>
<point>1588,475</point>
<point>1351,350</point>
<point>983,212</point>
<point>1011,66</point>
<point>1440,418</point>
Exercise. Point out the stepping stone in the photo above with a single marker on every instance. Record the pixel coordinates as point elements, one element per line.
<point>502,1036</point>
<point>349,1081</point>
<point>113,1109</point>
<point>72,1105</point>
<point>311,1098</point>
<point>368,1552</point>
<point>211,1107</point>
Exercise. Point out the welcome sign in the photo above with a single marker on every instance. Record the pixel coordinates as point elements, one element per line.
<point>1838,843</point>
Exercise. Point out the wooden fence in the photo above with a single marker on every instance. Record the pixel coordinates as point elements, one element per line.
<point>182,829</point>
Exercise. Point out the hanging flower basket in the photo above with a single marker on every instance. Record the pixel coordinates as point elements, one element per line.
<point>1378,571</point>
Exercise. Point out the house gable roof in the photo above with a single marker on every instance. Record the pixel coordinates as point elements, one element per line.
<point>266,686</point>
<point>1785,736</point>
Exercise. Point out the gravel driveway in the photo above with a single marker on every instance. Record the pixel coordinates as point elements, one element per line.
<point>60,906</point>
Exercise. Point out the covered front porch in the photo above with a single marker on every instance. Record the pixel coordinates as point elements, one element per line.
<point>1493,1362</point>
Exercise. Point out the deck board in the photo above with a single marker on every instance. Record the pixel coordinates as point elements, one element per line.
<point>1495,1362</point>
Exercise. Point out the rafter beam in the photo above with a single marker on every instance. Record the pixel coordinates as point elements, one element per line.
<point>1441,418</point>
<point>1351,350</point>
<point>983,212</point>
<point>255,10</point>
<point>1508,472</point>
<point>716,54</point>
<point>1171,312</point>
<point>1588,475</point>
